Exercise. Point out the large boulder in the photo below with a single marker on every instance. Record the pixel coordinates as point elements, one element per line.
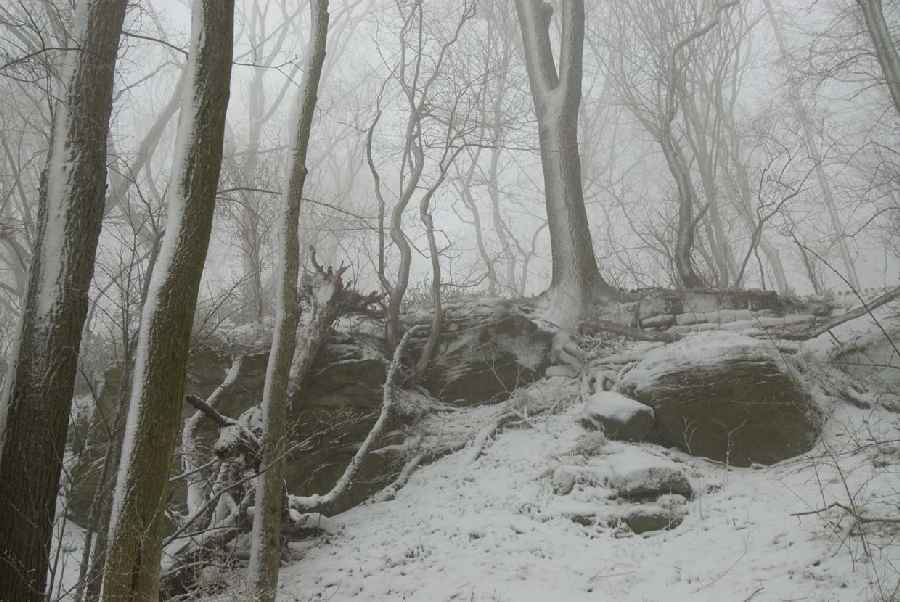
<point>727,397</point>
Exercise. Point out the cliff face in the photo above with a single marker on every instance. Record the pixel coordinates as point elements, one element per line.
<point>485,352</point>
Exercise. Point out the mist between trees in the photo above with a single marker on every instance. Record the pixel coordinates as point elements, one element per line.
<point>153,192</point>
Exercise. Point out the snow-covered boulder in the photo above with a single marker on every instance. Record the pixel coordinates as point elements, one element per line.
<point>639,475</point>
<point>618,416</point>
<point>666,513</point>
<point>727,397</point>
<point>563,480</point>
<point>590,444</point>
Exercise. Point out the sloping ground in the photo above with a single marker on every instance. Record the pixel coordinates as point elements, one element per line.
<point>493,529</point>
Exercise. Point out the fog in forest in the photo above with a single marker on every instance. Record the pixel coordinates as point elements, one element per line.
<point>234,177</point>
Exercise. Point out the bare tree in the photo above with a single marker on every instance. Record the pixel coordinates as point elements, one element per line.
<point>809,135</point>
<point>154,417</point>
<point>576,279</point>
<point>34,408</point>
<point>265,549</point>
<point>420,79</point>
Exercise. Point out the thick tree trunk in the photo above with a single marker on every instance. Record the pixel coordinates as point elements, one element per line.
<point>885,47</point>
<point>154,417</point>
<point>94,553</point>
<point>576,280</point>
<point>265,548</point>
<point>35,405</point>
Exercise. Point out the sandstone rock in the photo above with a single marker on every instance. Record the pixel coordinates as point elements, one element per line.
<point>483,357</point>
<point>638,475</point>
<point>726,397</point>
<point>562,370</point>
<point>659,321</point>
<point>661,306</point>
<point>583,513</point>
<point>591,444</point>
<point>563,481</point>
<point>620,418</point>
<point>653,517</point>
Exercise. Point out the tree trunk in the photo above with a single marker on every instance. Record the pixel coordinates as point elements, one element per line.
<point>265,547</point>
<point>35,405</point>
<point>576,280</point>
<point>684,244</point>
<point>885,47</point>
<point>816,155</point>
<point>154,417</point>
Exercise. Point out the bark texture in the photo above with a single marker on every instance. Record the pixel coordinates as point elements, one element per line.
<point>154,418</point>
<point>265,550</point>
<point>576,279</point>
<point>885,47</point>
<point>35,405</point>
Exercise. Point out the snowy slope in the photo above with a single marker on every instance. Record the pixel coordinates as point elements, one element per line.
<point>493,530</point>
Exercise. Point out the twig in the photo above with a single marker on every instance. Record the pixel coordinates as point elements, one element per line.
<point>856,516</point>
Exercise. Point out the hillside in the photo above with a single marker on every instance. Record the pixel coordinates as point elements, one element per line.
<point>494,530</point>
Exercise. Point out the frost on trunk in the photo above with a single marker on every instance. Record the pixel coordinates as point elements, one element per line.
<point>265,546</point>
<point>576,280</point>
<point>154,415</point>
<point>885,47</point>
<point>35,404</point>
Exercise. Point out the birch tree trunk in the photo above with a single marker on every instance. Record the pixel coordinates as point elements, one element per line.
<point>885,47</point>
<point>576,280</point>
<point>265,548</point>
<point>154,415</point>
<point>35,404</point>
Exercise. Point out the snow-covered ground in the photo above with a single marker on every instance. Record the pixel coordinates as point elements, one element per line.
<point>494,530</point>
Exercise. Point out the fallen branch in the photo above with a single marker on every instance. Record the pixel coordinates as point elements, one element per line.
<point>192,458</point>
<point>859,518</point>
<point>390,492</point>
<point>865,308</point>
<point>486,433</point>
<point>319,501</point>
<point>210,412</point>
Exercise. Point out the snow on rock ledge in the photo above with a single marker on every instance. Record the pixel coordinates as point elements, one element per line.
<point>727,397</point>
<point>620,417</point>
<point>638,475</point>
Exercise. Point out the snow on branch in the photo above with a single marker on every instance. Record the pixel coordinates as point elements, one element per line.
<point>317,501</point>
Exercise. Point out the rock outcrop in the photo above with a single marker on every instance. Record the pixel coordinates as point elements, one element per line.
<point>727,397</point>
<point>661,308</point>
<point>484,353</point>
